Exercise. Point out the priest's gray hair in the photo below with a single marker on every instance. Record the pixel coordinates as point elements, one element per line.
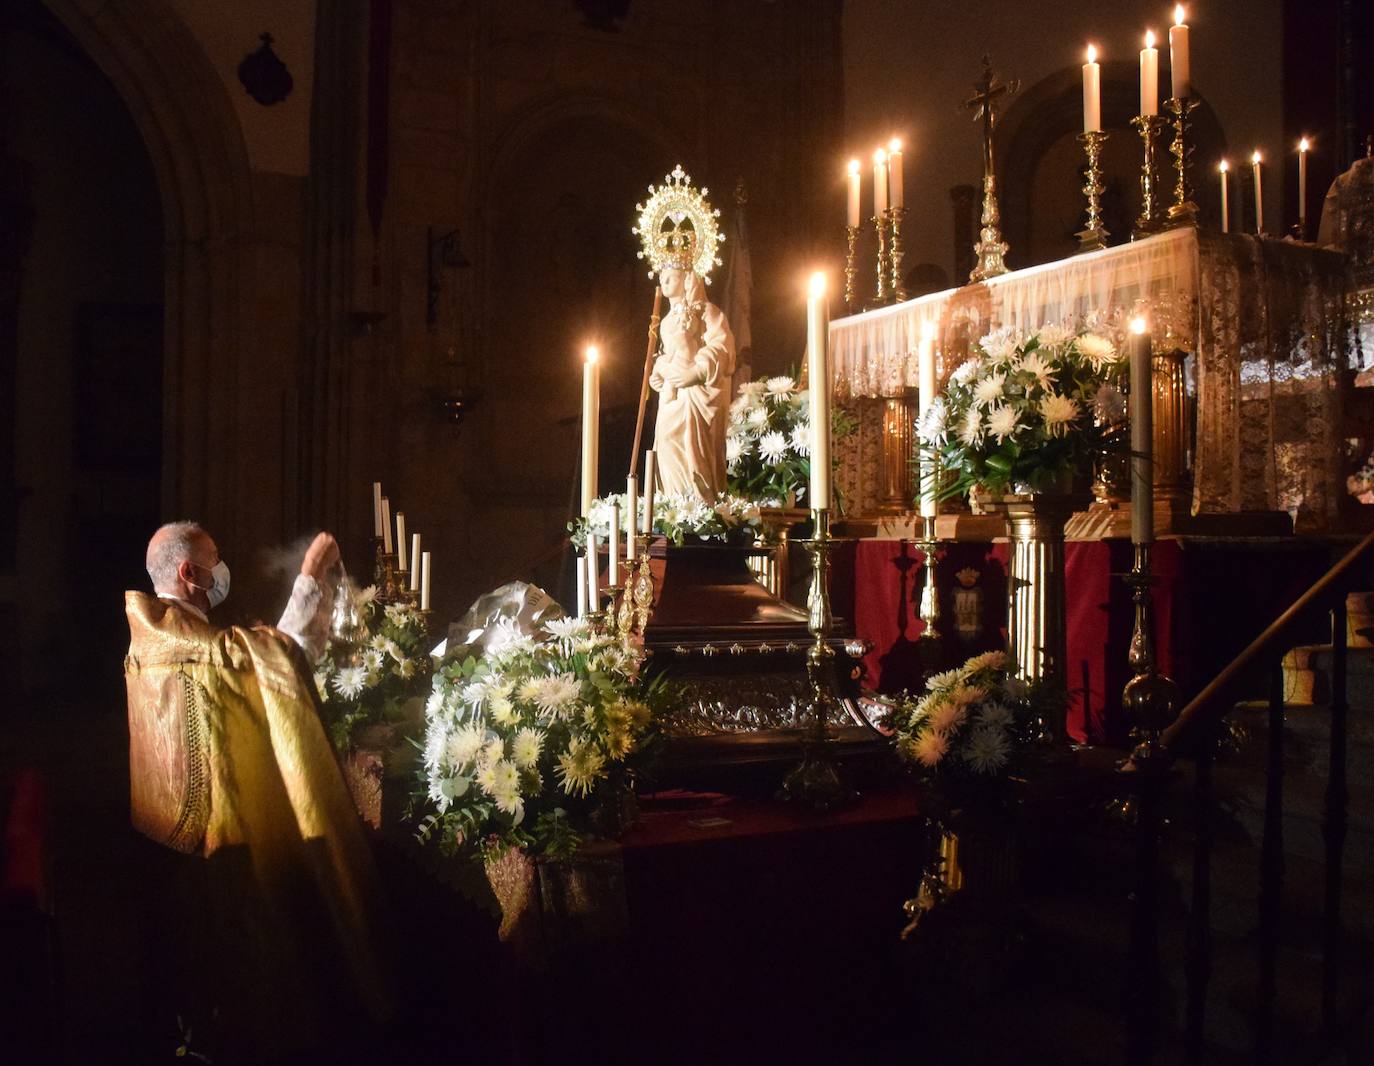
<point>171,545</point>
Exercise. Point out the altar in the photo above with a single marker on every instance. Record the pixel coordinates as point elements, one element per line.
<point>1260,322</point>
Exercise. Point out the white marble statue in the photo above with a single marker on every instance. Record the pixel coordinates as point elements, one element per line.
<point>692,376</point>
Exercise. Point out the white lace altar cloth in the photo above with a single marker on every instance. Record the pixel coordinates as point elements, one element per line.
<point>1262,319</point>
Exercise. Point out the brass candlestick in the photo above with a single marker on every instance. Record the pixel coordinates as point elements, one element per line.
<point>1184,211</point>
<point>1149,699</point>
<point>851,268</point>
<point>815,782</point>
<point>384,574</point>
<point>637,595</point>
<point>930,599</point>
<point>990,249</point>
<point>896,215</point>
<point>880,224</point>
<point>1151,220</point>
<point>1094,235</point>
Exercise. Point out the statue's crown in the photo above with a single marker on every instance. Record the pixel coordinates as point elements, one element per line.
<point>677,227</point>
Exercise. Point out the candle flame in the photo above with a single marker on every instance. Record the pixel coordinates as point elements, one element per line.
<point>1149,38</point>
<point>894,146</point>
<point>592,353</point>
<point>1303,145</point>
<point>1178,14</point>
<point>1092,54</point>
<point>1139,325</point>
<point>1255,158</point>
<point>879,157</point>
<point>853,166</point>
<point>816,286</point>
<point>1224,166</point>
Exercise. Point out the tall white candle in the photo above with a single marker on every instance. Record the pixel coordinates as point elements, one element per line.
<point>377,509</point>
<point>1142,433</point>
<point>1259,192</point>
<point>424,581</point>
<point>650,480</point>
<point>401,540</point>
<point>581,587</point>
<point>631,517</point>
<point>855,192</point>
<point>1149,76</point>
<point>593,571</point>
<point>879,182</point>
<point>613,567</point>
<point>414,555</point>
<point>1179,69</point>
<point>386,525</point>
<point>818,381</point>
<point>1303,148</point>
<point>1092,93</point>
<point>1225,170</point>
<point>894,173</point>
<point>591,428</point>
<point>925,381</point>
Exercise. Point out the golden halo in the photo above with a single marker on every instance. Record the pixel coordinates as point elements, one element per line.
<point>678,228</point>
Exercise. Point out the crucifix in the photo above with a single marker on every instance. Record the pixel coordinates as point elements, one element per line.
<point>990,248</point>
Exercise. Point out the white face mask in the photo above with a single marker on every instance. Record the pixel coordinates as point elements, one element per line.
<point>219,584</point>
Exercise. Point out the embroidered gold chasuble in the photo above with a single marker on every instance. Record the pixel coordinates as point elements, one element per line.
<point>229,761</point>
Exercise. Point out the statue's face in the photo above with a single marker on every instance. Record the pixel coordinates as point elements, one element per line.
<point>673,282</point>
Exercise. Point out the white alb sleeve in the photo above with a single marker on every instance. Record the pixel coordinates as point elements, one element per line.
<point>306,618</point>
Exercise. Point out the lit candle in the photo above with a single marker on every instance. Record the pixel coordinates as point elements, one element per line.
<point>879,183</point>
<point>1225,170</point>
<point>377,509</point>
<point>386,525</point>
<point>1142,434</point>
<point>1149,76</point>
<point>401,540</point>
<point>613,568</point>
<point>1092,93</point>
<point>593,572</point>
<point>424,581</point>
<point>1259,193</point>
<point>1179,69</point>
<point>925,382</point>
<point>591,417</point>
<point>650,473</point>
<point>1303,147</point>
<point>852,217</point>
<point>894,172</point>
<point>631,517</point>
<point>818,379</point>
<point>414,570</point>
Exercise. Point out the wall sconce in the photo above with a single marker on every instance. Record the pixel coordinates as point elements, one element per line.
<point>455,404</point>
<point>444,253</point>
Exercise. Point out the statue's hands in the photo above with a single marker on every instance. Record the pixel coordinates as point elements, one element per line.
<point>679,377</point>
<point>321,557</point>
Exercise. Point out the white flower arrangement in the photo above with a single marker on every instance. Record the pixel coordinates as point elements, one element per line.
<point>527,745</point>
<point>681,517</point>
<point>1021,414</point>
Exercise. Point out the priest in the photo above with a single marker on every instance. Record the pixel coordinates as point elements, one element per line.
<point>271,901</point>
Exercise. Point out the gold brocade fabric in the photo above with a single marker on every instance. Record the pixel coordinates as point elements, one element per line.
<point>229,761</point>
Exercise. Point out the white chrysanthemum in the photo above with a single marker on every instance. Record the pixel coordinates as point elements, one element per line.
<point>988,390</point>
<point>1054,336</point>
<point>1000,345</point>
<point>350,681</point>
<point>987,750</point>
<point>758,417</point>
<point>555,694</point>
<point>1097,349</point>
<point>971,428</point>
<point>397,613</point>
<point>1058,411</point>
<point>494,750</point>
<point>526,747</point>
<point>948,714</point>
<point>930,747</point>
<point>394,650</point>
<point>753,389</point>
<point>379,642</point>
<point>780,386</point>
<point>989,660</point>
<point>507,638</point>
<point>772,446</point>
<point>565,628</point>
<point>322,683</point>
<point>501,709</point>
<point>800,438</point>
<point>1003,421</point>
<point>406,669</point>
<point>965,694</point>
<point>436,741</point>
<point>372,660</point>
<point>362,597</point>
<point>463,746</point>
<point>966,372</point>
<point>501,781</point>
<point>735,447</point>
<point>1037,366</point>
<point>934,426</point>
<point>996,715</point>
<point>1108,404</point>
<point>434,704</point>
<point>580,766</point>
<point>938,681</point>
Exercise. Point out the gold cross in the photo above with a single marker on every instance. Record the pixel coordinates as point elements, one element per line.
<point>981,103</point>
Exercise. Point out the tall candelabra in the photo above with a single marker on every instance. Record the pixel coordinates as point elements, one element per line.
<point>1151,220</point>
<point>851,269</point>
<point>815,782</point>
<point>1150,700</point>
<point>1183,212</point>
<point>1094,234</point>
<point>897,214</point>
<point>880,224</point>
<point>387,576</point>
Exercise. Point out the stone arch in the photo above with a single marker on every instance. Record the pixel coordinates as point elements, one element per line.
<point>186,120</point>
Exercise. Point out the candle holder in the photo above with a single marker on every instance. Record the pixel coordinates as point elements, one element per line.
<point>637,592</point>
<point>851,268</point>
<point>880,224</point>
<point>1150,700</point>
<point>384,574</point>
<point>1094,235</point>
<point>1151,220</point>
<point>990,250</point>
<point>896,215</point>
<point>815,782</point>
<point>1184,211</point>
<point>930,598</point>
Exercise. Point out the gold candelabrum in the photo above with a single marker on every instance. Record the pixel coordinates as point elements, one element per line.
<point>851,269</point>
<point>1094,234</point>
<point>815,782</point>
<point>1151,220</point>
<point>895,216</point>
<point>930,598</point>
<point>880,225</point>
<point>1184,211</point>
<point>1150,700</point>
<point>390,579</point>
<point>628,603</point>
<point>991,250</point>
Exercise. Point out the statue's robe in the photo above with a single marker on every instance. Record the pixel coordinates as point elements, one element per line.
<point>229,763</point>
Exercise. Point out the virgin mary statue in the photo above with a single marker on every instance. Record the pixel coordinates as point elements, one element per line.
<point>693,371</point>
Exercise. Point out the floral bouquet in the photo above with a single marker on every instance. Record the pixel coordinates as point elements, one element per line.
<point>1024,415</point>
<point>377,664</point>
<point>529,745</point>
<point>768,441</point>
<point>682,517</point>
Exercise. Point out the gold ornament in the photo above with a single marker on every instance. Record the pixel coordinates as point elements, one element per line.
<point>678,227</point>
